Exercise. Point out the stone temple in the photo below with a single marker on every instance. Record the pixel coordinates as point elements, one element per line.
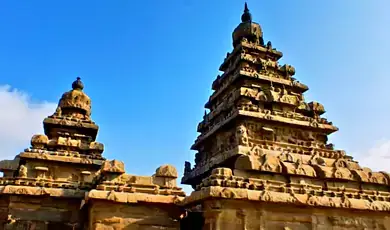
<point>262,162</point>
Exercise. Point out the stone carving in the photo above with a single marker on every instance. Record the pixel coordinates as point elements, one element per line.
<point>113,166</point>
<point>22,171</point>
<point>242,135</point>
<point>271,164</point>
<point>166,171</point>
<point>39,141</point>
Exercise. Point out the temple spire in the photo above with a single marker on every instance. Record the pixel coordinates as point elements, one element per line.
<point>246,16</point>
<point>78,84</point>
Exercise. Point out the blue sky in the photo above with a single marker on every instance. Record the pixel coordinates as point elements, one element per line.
<point>148,67</point>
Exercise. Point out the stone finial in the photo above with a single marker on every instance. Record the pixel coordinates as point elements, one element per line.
<point>39,141</point>
<point>166,171</point>
<point>75,103</point>
<point>113,166</point>
<point>246,16</point>
<point>78,84</point>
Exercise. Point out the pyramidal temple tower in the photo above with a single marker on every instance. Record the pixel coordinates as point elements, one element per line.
<point>258,115</point>
<point>263,152</point>
<point>63,182</point>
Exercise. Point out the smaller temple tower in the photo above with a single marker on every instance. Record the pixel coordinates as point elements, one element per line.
<point>63,182</point>
<point>70,137</point>
<point>56,171</point>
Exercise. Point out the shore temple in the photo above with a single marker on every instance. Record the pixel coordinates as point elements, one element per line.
<point>262,162</point>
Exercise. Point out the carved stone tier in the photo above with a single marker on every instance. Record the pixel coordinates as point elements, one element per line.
<point>223,184</point>
<point>41,191</point>
<point>267,116</point>
<point>55,123</point>
<point>267,52</point>
<point>69,157</point>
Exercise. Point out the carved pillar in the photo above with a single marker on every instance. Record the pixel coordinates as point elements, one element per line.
<point>212,220</point>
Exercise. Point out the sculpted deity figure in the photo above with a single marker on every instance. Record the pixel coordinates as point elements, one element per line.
<point>23,171</point>
<point>242,135</point>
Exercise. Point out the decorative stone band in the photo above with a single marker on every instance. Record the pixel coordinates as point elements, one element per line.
<point>45,183</point>
<point>68,157</point>
<point>125,197</point>
<point>41,191</point>
<point>213,192</point>
<point>254,46</point>
<point>251,74</point>
<point>320,165</point>
<point>265,116</point>
<point>73,122</point>
<point>141,188</point>
<point>324,127</point>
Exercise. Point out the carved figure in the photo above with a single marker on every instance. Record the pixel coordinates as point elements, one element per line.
<point>22,171</point>
<point>242,135</point>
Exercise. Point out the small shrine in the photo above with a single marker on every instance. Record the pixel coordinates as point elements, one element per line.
<point>63,182</point>
<point>262,161</point>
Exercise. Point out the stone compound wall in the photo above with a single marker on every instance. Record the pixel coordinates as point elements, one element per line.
<point>240,215</point>
<point>108,216</point>
<point>22,212</point>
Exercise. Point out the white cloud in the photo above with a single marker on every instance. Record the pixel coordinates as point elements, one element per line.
<point>20,118</point>
<point>377,158</point>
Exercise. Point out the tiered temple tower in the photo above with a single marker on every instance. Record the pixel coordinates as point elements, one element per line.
<point>263,152</point>
<point>63,182</point>
<point>258,111</point>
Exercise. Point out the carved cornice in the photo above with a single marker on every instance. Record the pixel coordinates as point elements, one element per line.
<point>42,191</point>
<point>68,157</point>
<point>125,197</point>
<point>44,183</point>
<point>310,123</point>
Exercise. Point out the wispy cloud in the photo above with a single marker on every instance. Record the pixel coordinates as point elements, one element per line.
<point>20,118</point>
<point>377,157</point>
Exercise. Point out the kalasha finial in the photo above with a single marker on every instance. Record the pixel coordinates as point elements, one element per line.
<point>246,16</point>
<point>78,84</point>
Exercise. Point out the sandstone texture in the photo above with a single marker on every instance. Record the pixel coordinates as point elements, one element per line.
<point>263,161</point>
